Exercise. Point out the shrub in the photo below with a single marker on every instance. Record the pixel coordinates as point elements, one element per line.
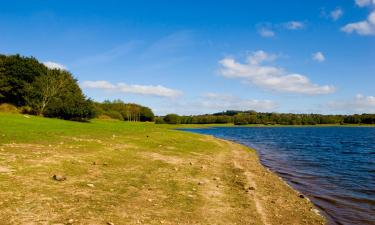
<point>5,107</point>
<point>172,119</point>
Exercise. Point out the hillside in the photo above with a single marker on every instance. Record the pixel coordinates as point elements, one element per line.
<point>135,173</point>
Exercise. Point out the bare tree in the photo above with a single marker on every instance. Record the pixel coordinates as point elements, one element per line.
<point>46,87</point>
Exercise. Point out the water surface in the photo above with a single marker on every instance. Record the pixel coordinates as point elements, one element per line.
<point>333,166</point>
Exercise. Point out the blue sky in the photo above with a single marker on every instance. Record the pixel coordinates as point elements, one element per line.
<point>192,57</point>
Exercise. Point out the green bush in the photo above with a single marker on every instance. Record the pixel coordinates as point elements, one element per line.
<point>172,119</point>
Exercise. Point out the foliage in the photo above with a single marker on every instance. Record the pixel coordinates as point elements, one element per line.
<point>117,109</point>
<point>26,83</point>
<point>172,119</point>
<point>5,107</point>
<point>252,117</point>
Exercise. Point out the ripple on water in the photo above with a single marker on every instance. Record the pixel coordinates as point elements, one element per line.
<point>334,166</point>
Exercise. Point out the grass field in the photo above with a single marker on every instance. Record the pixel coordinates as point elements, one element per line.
<point>135,173</point>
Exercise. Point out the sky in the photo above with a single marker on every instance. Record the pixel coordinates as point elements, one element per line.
<point>196,57</point>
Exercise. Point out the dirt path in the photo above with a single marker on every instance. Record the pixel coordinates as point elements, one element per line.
<point>275,202</point>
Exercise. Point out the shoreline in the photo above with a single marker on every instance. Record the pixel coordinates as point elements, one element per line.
<point>273,174</point>
<point>274,192</point>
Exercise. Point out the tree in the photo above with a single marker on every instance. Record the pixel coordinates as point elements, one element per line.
<point>172,119</point>
<point>45,88</point>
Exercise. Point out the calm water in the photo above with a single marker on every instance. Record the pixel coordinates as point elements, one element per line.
<point>334,166</point>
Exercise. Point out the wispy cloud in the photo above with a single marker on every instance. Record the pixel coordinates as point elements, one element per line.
<point>365,27</point>
<point>212,103</point>
<point>266,32</point>
<point>294,25</point>
<point>336,14</point>
<point>270,77</point>
<point>359,104</point>
<point>110,55</point>
<point>363,3</point>
<point>318,56</point>
<point>220,102</point>
<point>54,65</point>
<point>150,90</point>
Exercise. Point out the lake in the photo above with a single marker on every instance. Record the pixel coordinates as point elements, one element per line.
<point>333,166</point>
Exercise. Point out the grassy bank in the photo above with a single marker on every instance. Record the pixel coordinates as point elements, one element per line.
<point>135,173</point>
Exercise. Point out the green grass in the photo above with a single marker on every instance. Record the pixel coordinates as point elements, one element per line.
<point>35,148</point>
<point>142,174</point>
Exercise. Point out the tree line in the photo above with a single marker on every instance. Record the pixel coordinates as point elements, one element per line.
<point>36,89</point>
<point>117,109</point>
<point>253,117</point>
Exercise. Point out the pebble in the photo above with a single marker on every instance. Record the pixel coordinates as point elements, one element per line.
<point>200,183</point>
<point>110,223</point>
<point>59,177</point>
<point>301,196</point>
<point>190,163</point>
<point>91,185</point>
<point>216,178</point>
<point>316,211</point>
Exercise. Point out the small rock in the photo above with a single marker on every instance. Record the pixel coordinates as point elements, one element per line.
<point>70,221</point>
<point>91,185</point>
<point>191,196</point>
<point>176,169</point>
<point>94,163</point>
<point>110,223</point>
<point>194,189</point>
<point>59,177</point>
<point>202,167</point>
<point>301,196</point>
<point>216,178</point>
<point>200,183</point>
<point>190,163</point>
<point>248,188</point>
<point>147,136</point>
<point>150,200</point>
<point>316,211</point>
<point>105,164</point>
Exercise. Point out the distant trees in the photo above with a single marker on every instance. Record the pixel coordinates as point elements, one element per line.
<point>25,82</point>
<point>117,109</point>
<point>172,119</point>
<point>252,117</point>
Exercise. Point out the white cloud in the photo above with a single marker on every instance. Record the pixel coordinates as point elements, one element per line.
<point>365,27</point>
<point>221,102</point>
<point>266,32</point>
<point>54,65</point>
<point>151,90</point>
<point>270,77</point>
<point>362,3</point>
<point>318,56</point>
<point>359,104</point>
<point>294,25</point>
<point>336,14</point>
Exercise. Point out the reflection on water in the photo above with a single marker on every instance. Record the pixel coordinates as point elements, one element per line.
<point>334,166</point>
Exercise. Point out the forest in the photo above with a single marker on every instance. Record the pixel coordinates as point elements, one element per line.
<point>253,117</point>
<point>35,89</point>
